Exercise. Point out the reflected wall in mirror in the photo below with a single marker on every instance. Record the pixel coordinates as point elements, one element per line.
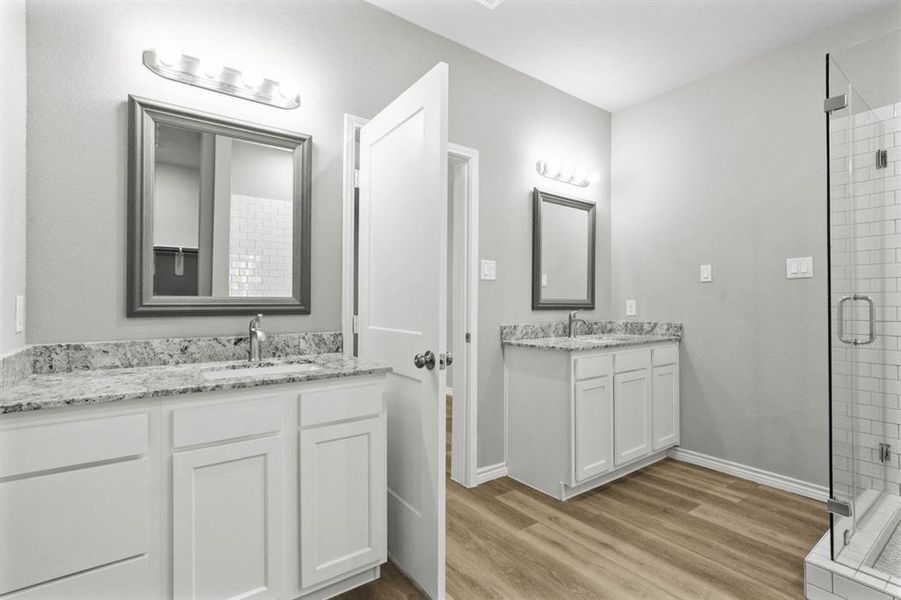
<point>563,249</point>
<point>219,215</point>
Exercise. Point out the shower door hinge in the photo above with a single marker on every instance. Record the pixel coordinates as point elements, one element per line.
<point>881,159</point>
<point>356,178</point>
<point>835,103</point>
<point>837,507</point>
<point>355,321</point>
<point>467,338</point>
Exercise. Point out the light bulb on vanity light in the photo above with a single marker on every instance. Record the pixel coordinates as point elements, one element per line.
<point>553,168</point>
<point>167,55</point>
<point>288,89</point>
<point>252,79</point>
<point>211,66</point>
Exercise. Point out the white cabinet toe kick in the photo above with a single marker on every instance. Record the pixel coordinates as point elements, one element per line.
<point>268,493</point>
<point>577,420</point>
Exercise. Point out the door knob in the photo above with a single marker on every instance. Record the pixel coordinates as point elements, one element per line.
<point>425,359</point>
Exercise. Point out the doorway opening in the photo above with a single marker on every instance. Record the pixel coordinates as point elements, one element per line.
<point>462,300</point>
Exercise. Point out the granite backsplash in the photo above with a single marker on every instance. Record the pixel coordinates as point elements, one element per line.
<point>561,329</point>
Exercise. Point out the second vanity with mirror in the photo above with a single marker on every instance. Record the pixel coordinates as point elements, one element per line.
<point>583,410</point>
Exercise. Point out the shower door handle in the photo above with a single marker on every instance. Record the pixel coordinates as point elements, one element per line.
<point>871,335</point>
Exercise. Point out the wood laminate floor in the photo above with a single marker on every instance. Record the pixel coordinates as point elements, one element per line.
<point>671,530</point>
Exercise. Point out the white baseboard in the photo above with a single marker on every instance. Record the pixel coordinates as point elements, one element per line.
<point>489,472</point>
<point>780,482</point>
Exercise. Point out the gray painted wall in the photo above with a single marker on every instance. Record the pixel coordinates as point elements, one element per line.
<point>731,171</point>
<point>12,171</point>
<point>84,59</point>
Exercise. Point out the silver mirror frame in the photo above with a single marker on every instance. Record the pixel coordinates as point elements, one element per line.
<point>538,303</point>
<point>143,114</point>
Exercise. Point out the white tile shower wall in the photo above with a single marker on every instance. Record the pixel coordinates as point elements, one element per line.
<point>260,247</point>
<point>865,221</point>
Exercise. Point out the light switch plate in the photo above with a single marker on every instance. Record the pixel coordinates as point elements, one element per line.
<point>20,314</point>
<point>631,308</point>
<point>706,273</point>
<point>799,268</point>
<point>489,270</point>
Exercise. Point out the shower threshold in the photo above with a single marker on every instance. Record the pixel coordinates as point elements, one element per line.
<point>889,559</point>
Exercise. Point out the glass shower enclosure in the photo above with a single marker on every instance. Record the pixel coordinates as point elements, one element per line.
<point>863,109</point>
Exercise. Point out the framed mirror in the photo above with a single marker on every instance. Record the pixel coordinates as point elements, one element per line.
<point>563,251</point>
<point>218,214</point>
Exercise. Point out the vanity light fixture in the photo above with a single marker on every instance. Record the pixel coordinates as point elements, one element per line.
<point>209,73</point>
<point>566,173</point>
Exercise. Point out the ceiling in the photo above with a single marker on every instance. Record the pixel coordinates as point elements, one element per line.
<point>617,53</point>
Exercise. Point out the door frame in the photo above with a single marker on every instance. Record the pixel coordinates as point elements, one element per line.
<point>464,446</point>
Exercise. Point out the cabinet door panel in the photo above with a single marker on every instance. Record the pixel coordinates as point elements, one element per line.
<point>631,412</point>
<point>227,522</point>
<point>342,498</point>
<point>593,427</point>
<point>665,408</point>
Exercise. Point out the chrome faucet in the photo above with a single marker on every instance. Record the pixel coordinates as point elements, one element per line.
<point>572,322</point>
<point>257,337</point>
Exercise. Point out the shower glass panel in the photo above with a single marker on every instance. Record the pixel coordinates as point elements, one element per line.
<point>864,157</point>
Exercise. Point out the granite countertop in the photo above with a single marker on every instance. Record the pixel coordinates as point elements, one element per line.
<point>95,386</point>
<point>590,342</point>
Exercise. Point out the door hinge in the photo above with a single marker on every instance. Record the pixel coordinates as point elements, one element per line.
<point>354,322</point>
<point>837,507</point>
<point>835,103</point>
<point>356,178</point>
<point>467,338</point>
<point>881,159</point>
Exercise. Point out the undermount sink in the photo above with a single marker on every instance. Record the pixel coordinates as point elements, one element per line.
<point>252,370</point>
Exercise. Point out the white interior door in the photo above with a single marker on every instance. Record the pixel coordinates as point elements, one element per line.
<point>402,311</point>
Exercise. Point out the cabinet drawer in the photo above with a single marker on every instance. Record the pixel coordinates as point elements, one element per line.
<point>61,524</point>
<point>340,404</point>
<point>128,579</point>
<point>57,445</point>
<point>632,360</point>
<point>226,421</point>
<point>667,355</point>
<point>594,366</point>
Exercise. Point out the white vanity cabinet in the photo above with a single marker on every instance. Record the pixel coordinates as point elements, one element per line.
<point>577,419</point>
<point>265,493</point>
